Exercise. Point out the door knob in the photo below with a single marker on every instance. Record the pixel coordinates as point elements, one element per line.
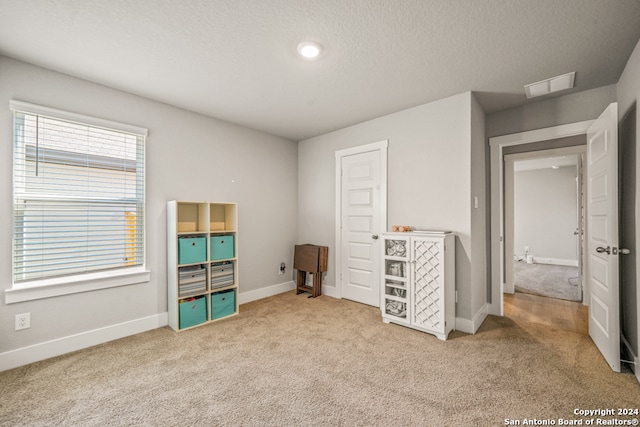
<point>624,251</point>
<point>374,237</point>
<point>600,250</point>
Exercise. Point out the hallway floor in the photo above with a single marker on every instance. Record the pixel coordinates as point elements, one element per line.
<point>557,313</point>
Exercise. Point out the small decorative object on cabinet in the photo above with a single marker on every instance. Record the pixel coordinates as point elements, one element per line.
<point>202,263</point>
<point>419,281</point>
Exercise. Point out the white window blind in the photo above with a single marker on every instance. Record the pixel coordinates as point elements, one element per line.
<point>78,194</point>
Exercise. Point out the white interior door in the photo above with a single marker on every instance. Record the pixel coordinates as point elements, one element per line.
<point>602,232</point>
<point>360,227</point>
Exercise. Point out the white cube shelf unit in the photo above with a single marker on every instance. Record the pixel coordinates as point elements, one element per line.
<point>202,262</point>
<point>418,291</point>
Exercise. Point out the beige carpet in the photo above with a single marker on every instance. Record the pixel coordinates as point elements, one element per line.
<point>293,361</point>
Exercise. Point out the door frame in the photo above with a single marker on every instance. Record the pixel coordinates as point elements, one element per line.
<point>497,145</point>
<point>382,147</point>
<point>509,209</point>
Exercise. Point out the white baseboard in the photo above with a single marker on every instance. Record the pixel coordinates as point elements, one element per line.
<point>331,291</point>
<point>556,261</point>
<point>41,351</point>
<point>472,326</point>
<point>245,297</point>
<point>37,352</point>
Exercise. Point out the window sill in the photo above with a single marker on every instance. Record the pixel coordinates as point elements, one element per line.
<point>73,285</point>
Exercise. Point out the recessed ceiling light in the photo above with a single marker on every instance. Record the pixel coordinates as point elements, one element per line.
<point>309,50</point>
<point>554,84</point>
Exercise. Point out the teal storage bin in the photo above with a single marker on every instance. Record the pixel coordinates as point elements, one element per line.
<point>223,303</point>
<point>193,313</point>
<point>192,250</point>
<point>222,247</point>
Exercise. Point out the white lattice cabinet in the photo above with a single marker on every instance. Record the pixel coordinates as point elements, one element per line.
<point>419,281</point>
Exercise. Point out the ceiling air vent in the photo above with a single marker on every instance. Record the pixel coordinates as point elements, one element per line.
<point>554,84</point>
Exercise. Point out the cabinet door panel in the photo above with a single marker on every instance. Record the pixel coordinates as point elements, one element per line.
<point>428,284</point>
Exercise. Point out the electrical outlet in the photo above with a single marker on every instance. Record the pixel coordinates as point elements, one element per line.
<point>23,321</point>
<point>283,268</point>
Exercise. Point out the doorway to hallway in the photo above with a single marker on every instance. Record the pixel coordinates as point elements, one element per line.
<point>544,223</point>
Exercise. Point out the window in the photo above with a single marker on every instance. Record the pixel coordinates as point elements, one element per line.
<point>78,195</point>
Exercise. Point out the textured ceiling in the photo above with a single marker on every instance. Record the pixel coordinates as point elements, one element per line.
<point>236,59</point>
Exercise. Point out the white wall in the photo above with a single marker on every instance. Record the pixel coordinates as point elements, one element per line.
<point>561,110</point>
<point>545,214</point>
<point>479,213</point>
<point>189,157</point>
<point>429,180</point>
